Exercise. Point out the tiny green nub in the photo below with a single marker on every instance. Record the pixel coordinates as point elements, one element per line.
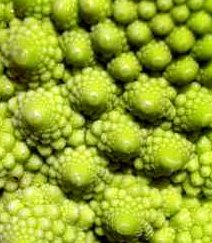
<point>108,39</point>
<point>124,11</point>
<point>186,37</point>
<point>138,33</point>
<point>182,71</point>
<point>37,113</point>
<point>94,11</point>
<point>205,75</point>
<point>77,48</point>
<point>195,5</point>
<point>180,13</point>
<point>146,10</point>
<point>164,5</point>
<point>155,55</point>
<point>193,109</point>
<point>25,55</point>
<point>65,13</point>
<point>161,24</point>
<point>125,224</point>
<point>200,22</point>
<point>125,67</point>
<point>202,50</point>
<point>207,6</point>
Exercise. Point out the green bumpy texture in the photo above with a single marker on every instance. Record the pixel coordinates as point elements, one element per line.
<point>161,24</point>
<point>41,214</point>
<point>205,75</point>
<point>94,11</point>
<point>7,88</point>
<point>202,50</point>
<point>116,134</point>
<point>163,152</point>
<point>6,13</point>
<point>150,98</point>
<point>146,9</point>
<point>45,120</point>
<point>65,13</point>
<point>200,22</point>
<point>195,179</point>
<point>138,33</point>
<point>193,108</point>
<point>77,49</point>
<point>128,208</point>
<point>35,8</point>
<point>182,71</point>
<point>108,39</point>
<point>124,11</point>
<point>186,37</point>
<point>92,91</point>
<point>77,171</point>
<point>155,55</point>
<point>31,52</point>
<point>180,13</point>
<point>191,224</point>
<point>125,67</point>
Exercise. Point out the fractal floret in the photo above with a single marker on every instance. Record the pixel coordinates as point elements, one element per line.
<point>116,134</point>
<point>193,108</point>
<point>163,152</point>
<point>42,214</point>
<point>150,98</point>
<point>105,121</point>
<point>45,120</point>
<point>92,91</point>
<point>31,52</point>
<point>77,170</point>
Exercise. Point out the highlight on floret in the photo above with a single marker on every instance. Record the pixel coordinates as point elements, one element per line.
<point>105,121</point>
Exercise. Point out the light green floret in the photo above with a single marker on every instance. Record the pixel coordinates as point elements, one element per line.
<point>155,55</point>
<point>77,171</point>
<point>161,24</point>
<point>180,13</point>
<point>200,22</point>
<point>207,6</point>
<point>116,134</point>
<point>13,155</point>
<point>182,71</point>
<point>125,67</point>
<point>146,9</point>
<point>124,11</point>
<point>77,48</point>
<point>202,49</point>
<point>129,209</point>
<point>205,75</point>
<point>196,178</point>
<point>7,88</point>
<point>45,120</point>
<point>164,5</point>
<point>35,8</point>
<point>31,52</point>
<point>6,13</point>
<point>163,152</point>
<point>94,11</point>
<point>138,33</point>
<point>195,5</point>
<point>43,214</point>
<point>193,108</point>
<point>108,39</point>
<point>150,98</point>
<point>65,13</point>
<point>186,37</point>
<point>190,224</point>
<point>92,91</point>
